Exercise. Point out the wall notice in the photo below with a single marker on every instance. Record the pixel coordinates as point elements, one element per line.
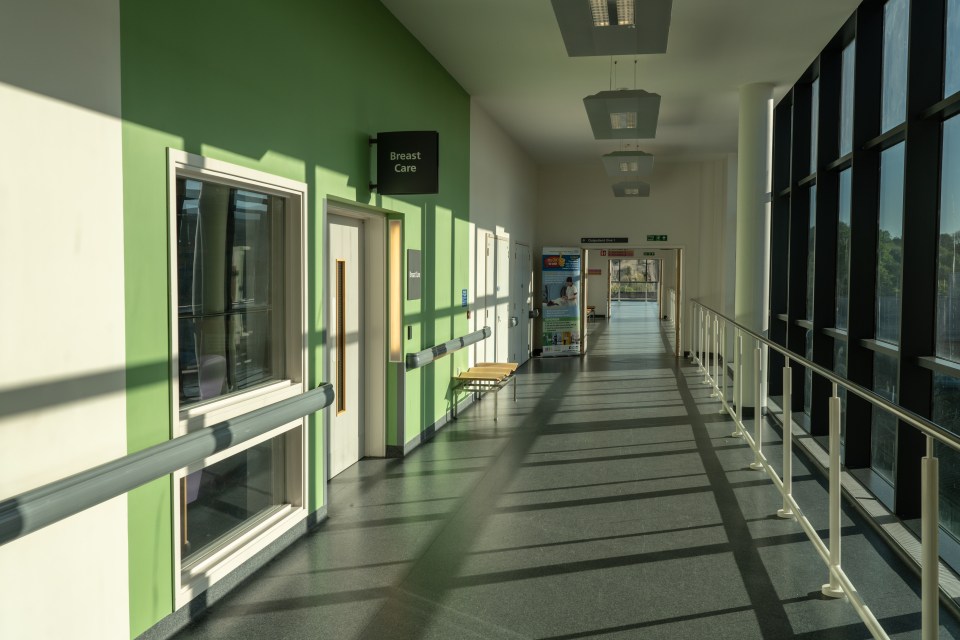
<point>560,305</point>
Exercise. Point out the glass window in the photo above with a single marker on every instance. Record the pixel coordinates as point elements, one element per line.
<point>226,497</point>
<point>840,368</point>
<point>843,253</point>
<point>846,98</point>
<point>890,244</point>
<point>811,247</point>
<point>948,268</point>
<point>814,122</point>
<point>230,284</point>
<point>951,80</point>
<point>808,374</point>
<point>893,106</point>
<point>883,436</point>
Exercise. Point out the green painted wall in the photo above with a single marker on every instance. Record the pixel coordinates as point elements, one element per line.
<point>292,88</point>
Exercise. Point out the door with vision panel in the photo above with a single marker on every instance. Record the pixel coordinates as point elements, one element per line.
<point>345,340</point>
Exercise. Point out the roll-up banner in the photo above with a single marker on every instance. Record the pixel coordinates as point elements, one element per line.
<point>560,305</point>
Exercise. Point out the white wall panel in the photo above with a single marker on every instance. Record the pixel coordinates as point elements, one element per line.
<point>62,327</point>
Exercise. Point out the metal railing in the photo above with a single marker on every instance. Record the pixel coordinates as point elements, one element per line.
<point>43,506</point>
<point>425,357</point>
<point>709,332</point>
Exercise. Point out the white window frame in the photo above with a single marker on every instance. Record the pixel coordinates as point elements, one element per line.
<point>192,580</point>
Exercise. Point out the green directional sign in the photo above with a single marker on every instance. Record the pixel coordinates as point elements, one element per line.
<point>656,238</point>
<point>649,253</point>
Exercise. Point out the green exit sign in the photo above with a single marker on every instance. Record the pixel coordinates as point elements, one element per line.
<point>649,253</point>
<point>656,238</point>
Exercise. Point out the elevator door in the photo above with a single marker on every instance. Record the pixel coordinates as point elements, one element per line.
<point>345,340</point>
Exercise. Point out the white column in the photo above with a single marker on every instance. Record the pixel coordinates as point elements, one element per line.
<point>753,183</point>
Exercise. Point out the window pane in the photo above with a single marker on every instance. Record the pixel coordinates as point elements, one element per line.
<point>814,123</point>
<point>952,58</point>
<point>948,270</point>
<point>811,246</point>
<point>843,253</point>
<point>894,104</point>
<point>884,433</point>
<point>840,368</point>
<point>808,374</point>
<point>846,99</point>
<point>890,244</point>
<point>221,500</point>
<point>946,412</point>
<point>229,282</point>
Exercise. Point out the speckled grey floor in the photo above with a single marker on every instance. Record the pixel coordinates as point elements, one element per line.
<point>608,502</point>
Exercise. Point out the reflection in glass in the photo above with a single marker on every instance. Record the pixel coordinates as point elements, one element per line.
<point>811,246</point>
<point>840,368</point>
<point>890,244</point>
<point>846,98</point>
<point>883,436</point>
<point>227,497</point>
<point>814,122</point>
<point>843,253</point>
<point>951,78</point>
<point>946,412</point>
<point>893,106</point>
<point>229,288</point>
<point>948,265</point>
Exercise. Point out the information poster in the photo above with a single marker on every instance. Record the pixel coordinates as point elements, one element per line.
<point>560,305</point>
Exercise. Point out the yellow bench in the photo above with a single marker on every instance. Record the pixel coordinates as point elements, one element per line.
<point>484,377</point>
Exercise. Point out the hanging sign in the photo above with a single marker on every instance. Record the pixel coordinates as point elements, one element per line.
<point>408,162</point>
<point>604,240</point>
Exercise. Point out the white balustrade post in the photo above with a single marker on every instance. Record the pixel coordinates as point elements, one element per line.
<point>757,409</point>
<point>715,334</point>
<point>693,332</point>
<point>738,383</point>
<point>930,549</point>
<point>723,366</point>
<point>706,347</point>
<point>787,510</point>
<point>833,588</point>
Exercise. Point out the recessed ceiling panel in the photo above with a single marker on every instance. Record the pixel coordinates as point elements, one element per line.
<point>628,164</point>
<point>613,27</point>
<point>623,114</point>
<point>631,189</point>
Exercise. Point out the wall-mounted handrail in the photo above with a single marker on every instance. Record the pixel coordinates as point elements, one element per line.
<point>37,508</point>
<point>425,357</point>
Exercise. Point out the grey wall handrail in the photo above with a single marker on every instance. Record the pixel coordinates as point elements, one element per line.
<point>37,508</point>
<point>425,357</point>
<point>916,421</point>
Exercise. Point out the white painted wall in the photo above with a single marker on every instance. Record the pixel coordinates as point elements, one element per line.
<point>62,378</point>
<point>503,201</point>
<point>688,203</point>
<point>597,285</point>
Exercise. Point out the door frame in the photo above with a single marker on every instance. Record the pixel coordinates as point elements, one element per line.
<point>374,355</point>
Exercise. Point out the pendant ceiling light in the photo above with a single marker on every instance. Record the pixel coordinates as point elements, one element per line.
<point>626,113</point>
<point>613,27</point>
<point>628,164</point>
<point>631,189</point>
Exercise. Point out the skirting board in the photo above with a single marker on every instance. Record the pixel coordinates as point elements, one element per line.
<point>176,621</point>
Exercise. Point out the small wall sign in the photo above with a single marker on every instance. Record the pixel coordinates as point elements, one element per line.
<point>463,298</point>
<point>656,238</point>
<point>610,240</point>
<point>617,253</point>
<point>408,162</point>
<point>413,274</point>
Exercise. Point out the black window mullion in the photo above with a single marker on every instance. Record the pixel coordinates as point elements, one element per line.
<point>920,235</point>
<point>864,203</point>
<point>799,216</point>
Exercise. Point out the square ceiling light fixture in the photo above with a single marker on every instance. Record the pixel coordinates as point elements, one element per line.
<point>628,164</point>
<point>613,27</point>
<point>632,189</point>
<point>623,114</point>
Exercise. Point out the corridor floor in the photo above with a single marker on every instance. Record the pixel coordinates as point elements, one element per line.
<point>609,501</point>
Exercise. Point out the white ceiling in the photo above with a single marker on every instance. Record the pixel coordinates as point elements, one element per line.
<point>509,55</point>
